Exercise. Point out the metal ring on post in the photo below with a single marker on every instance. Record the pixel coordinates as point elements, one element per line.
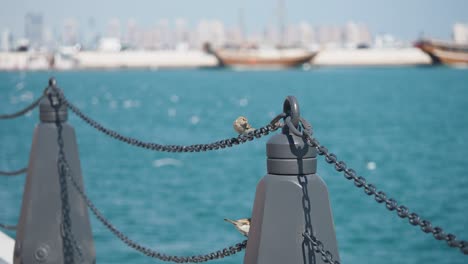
<point>292,127</point>
<point>52,82</point>
<point>53,98</point>
<point>293,117</point>
<point>291,108</point>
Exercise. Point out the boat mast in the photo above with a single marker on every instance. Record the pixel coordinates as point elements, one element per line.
<point>282,22</point>
<point>243,33</point>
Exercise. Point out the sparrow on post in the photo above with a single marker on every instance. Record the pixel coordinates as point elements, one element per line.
<point>242,126</point>
<point>242,225</point>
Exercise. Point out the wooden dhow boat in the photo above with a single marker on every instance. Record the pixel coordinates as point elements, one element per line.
<point>445,52</point>
<point>262,57</point>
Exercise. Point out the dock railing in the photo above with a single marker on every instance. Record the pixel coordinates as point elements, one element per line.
<point>291,220</point>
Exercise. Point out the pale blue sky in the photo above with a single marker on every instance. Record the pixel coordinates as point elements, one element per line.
<point>404,18</point>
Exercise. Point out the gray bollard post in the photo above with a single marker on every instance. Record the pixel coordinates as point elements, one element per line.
<point>290,200</point>
<point>40,232</point>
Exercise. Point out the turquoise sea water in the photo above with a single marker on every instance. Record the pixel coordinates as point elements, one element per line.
<point>404,129</point>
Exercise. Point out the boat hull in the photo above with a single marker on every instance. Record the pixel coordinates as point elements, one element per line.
<point>445,53</point>
<point>277,59</point>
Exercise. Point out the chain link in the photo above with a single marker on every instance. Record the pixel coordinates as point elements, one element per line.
<point>380,196</point>
<point>14,173</point>
<point>64,170</point>
<point>23,111</point>
<point>23,170</point>
<point>221,144</point>
<point>69,242</point>
<point>318,247</point>
<point>307,247</point>
<point>145,250</point>
<point>19,113</point>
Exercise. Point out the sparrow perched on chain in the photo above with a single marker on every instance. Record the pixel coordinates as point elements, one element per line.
<point>242,225</point>
<point>242,126</point>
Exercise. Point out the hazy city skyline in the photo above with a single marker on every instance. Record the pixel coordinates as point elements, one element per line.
<point>405,19</point>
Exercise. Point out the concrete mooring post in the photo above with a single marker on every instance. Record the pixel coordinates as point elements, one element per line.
<point>290,200</point>
<point>40,232</point>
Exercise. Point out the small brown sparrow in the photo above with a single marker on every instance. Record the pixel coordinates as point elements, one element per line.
<point>242,126</point>
<point>242,225</point>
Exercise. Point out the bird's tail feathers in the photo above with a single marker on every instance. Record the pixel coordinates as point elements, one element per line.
<point>230,221</point>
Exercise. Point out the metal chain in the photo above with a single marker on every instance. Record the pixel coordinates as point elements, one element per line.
<point>69,242</point>
<point>7,227</point>
<point>22,111</point>
<point>228,251</point>
<point>318,247</point>
<point>23,170</point>
<point>64,169</point>
<point>307,247</point>
<point>272,126</point>
<point>380,196</point>
<point>19,113</point>
<point>14,173</point>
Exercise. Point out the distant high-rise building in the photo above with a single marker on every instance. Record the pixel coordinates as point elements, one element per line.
<point>154,35</point>
<point>330,36</point>
<point>70,32</point>
<point>131,35</point>
<point>6,40</point>
<point>307,34</point>
<point>292,36</point>
<point>113,29</point>
<point>181,31</point>
<point>282,23</point>
<point>460,33</point>
<point>241,26</point>
<point>89,35</point>
<point>48,38</point>
<point>356,34</point>
<point>352,34</point>
<point>164,37</point>
<point>234,36</point>
<point>211,31</point>
<point>149,39</point>
<point>33,28</point>
<point>271,35</point>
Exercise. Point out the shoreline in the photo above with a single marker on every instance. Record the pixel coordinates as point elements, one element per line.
<point>174,59</point>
